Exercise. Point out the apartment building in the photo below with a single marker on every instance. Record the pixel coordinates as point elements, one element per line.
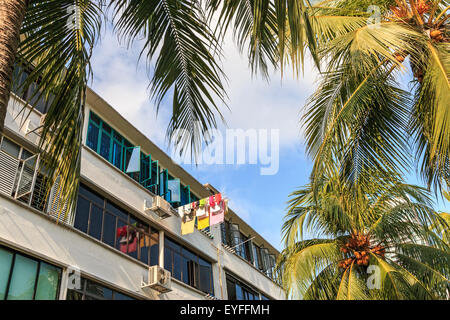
<point>81,256</point>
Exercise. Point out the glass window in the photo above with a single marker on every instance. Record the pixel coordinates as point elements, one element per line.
<point>10,147</point>
<point>23,278</point>
<point>237,290</point>
<point>231,290</point>
<point>82,214</point>
<point>5,268</point>
<point>92,137</point>
<point>116,227</point>
<point>177,265</point>
<point>94,118</point>
<point>105,146</point>
<point>109,229</point>
<point>111,207</point>
<point>205,276</point>
<point>188,267</point>
<point>117,154</point>
<point>22,273</point>
<point>48,279</point>
<point>95,221</point>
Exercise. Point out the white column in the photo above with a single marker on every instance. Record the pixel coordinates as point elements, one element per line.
<point>161,249</point>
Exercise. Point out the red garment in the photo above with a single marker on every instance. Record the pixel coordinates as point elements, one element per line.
<point>212,203</point>
<point>218,198</point>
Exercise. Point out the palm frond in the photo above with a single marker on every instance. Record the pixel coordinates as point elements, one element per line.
<point>58,43</point>
<point>177,35</point>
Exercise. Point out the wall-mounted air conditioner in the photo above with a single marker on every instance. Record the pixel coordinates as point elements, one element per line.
<point>159,206</point>
<point>159,279</point>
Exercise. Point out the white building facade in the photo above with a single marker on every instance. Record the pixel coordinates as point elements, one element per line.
<point>84,255</point>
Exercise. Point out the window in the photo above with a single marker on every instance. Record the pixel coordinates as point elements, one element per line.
<point>117,150</point>
<point>103,220</point>
<point>188,267</point>
<point>91,290</point>
<point>238,290</point>
<point>26,278</point>
<point>247,249</point>
<point>35,197</point>
<point>30,93</point>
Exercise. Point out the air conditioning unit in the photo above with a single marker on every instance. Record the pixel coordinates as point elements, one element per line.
<point>159,206</point>
<point>159,279</point>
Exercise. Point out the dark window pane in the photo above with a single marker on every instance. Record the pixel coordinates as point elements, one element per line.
<point>95,118</point>
<point>168,260</point>
<point>109,229</point>
<point>5,268</point>
<point>82,214</point>
<point>23,279</point>
<point>154,254</point>
<point>48,282</point>
<point>92,137</point>
<point>112,208</point>
<point>205,278</point>
<point>185,269</point>
<point>176,266</point>
<point>98,290</point>
<point>117,155</point>
<point>91,195</point>
<point>106,128</point>
<point>239,293</point>
<point>105,146</point>
<point>95,223</point>
<point>120,296</point>
<point>231,289</point>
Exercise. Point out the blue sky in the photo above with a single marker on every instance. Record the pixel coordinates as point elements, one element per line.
<point>254,103</point>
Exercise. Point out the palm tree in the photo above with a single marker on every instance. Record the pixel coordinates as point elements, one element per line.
<point>372,242</point>
<point>360,110</point>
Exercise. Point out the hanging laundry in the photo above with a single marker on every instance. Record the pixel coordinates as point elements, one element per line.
<point>202,211</point>
<point>187,220</point>
<point>187,227</point>
<point>217,216</point>
<point>214,206</point>
<point>203,223</point>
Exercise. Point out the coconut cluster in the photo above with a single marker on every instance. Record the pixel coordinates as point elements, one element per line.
<point>358,246</point>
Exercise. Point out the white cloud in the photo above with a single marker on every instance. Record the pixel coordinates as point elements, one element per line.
<point>258,104</point>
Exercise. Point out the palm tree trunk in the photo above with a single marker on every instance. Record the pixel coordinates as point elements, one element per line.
<point>12,13</point>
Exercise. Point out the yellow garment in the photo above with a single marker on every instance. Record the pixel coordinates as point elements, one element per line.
<point>203,223</point>
<point>187,227</point>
